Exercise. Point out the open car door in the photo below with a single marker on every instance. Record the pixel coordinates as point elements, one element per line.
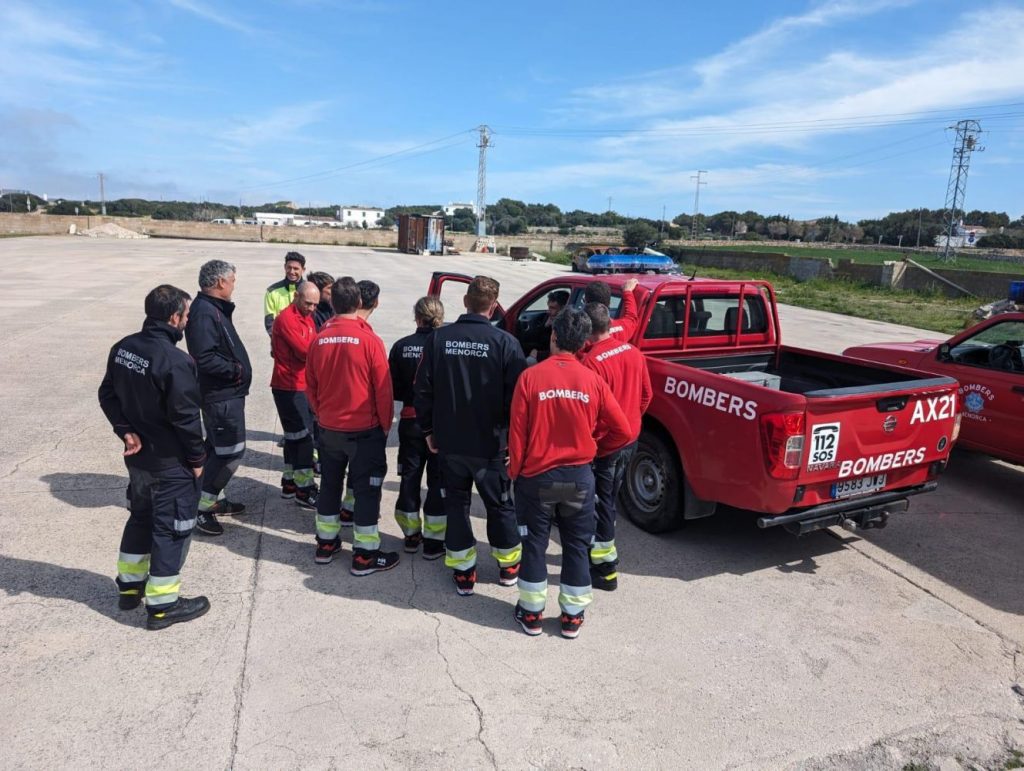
<point>450,288</point>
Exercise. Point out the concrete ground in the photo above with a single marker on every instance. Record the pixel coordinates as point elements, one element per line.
<point>725,646</point>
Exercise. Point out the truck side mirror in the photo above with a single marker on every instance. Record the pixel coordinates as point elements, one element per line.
<point>944,352</point>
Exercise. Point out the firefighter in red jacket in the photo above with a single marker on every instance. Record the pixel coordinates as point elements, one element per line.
<point>292,333</point>
<point>624,369</point>
<point>563,415</point>
<point>625,325</point>
<point>349,388</point>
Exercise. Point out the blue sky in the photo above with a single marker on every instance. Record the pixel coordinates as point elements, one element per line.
<point>804,108</point>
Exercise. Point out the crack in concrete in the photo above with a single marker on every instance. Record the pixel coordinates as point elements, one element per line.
<point>242,687</point>
<point>480,720</point>
<point>1009,644</point>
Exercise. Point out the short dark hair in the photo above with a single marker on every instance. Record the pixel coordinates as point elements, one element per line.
<point>571,328</point>
<point>598,315</point>
<point>345,295</point>
<point>320,278</point>
<point>481,294</point>
<point>295,257</point>
<point>560,296</point>
<point>368,293</point>
<point>598,292</point>
<point>166,300</point>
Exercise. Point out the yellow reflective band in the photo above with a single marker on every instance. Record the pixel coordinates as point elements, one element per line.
<point>303,477</point>
<point>533,596</point>
<point>162,591</point>
<point>130,592</point>
<point>506,557</point>
<point>409,521</point>
<point>460,560</point>
<point>133,568</point>
<point>159,615</point>
<point>366,537</point>
<point>603,551</point>
<point>611,576</point>
<point>579,601</point>
<point>436,529</point>
<point>328,526</point>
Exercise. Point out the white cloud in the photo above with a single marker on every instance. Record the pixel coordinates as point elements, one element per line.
<point>210,14</point>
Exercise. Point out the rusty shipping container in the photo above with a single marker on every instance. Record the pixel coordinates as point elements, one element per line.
<point>418,233</point>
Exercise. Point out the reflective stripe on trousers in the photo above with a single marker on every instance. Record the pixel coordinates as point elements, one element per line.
<point>603,551</point>
<point>434,527</point>
<point>132,568</point>
<point>232,449</point>
<point>533,596</point>
<point>365,538</point>
<point>573,599</point>
<point>460,560</point>
<point>507,557</point>
<point>162,590</point>
<point>328,526</point>
<point>409,521</point>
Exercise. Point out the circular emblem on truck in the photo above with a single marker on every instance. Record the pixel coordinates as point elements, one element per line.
<point>942,444</point>
<point>889,424</point>
<point>974,402</point>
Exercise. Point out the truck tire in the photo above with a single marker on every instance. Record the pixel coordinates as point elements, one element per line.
<point>652,493</point>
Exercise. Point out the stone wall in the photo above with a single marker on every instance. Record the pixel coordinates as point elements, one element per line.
<point>54,224</point>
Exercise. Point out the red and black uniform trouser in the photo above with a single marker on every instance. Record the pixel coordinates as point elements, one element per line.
<point>568,493</point>
<point>362,453</point>
<point>414,457</point>
<point>225,445</point>
<point>609,474</point>
<point>156,536</point>
<point>297,427</point>
<point>459,473</point>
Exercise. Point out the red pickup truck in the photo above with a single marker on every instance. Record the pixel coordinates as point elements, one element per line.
<point>805,439</point>
<point>987,361</point>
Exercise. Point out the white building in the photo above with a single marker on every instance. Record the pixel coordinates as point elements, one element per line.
<point>274,218</point>
<point>355,216</point>
<point>449,209</point>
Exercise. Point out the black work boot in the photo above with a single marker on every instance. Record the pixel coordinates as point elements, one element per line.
<point>129,595</point>
<point>185,609</point>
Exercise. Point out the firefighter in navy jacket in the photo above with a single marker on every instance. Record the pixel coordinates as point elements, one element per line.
<point>463,394</point>
<point>151,398</point>
<point>563,415</point>
<point>225,375</point>
<point>413,454</point>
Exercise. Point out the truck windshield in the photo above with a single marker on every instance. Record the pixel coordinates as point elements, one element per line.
<point>709,315</point>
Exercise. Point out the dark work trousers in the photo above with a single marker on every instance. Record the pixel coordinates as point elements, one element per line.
<point>567,492</point>
<point>225,445</point>
<point>156,536</point>
<point>609,473</point>
<point>458,475</point>
<point>362,452</point>
<point>414,457</point>
<point>296,425</point>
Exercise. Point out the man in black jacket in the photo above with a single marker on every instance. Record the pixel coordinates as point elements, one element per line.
<point>463,398</point>
<point>151,398</point>
<point>224,378</point>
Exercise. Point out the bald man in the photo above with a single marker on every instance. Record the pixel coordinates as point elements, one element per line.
<point>293,331</point>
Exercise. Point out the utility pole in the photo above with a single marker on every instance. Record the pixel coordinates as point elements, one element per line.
<point>696,202</point>
<point>920,212</point>
<point>481,182</point>
<point>967,132</point>
<point>103,199</point>
<point>661,223</point>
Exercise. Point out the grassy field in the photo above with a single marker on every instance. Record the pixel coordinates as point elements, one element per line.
<point>934,312</point>
<point>874,256</point>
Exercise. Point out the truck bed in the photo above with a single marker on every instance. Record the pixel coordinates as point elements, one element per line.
<point>810,373</point>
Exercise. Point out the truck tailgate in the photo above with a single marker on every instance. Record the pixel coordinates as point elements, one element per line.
<point>867,440</point>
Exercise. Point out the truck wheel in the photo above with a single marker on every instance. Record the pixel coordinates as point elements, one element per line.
<point>652,493</point>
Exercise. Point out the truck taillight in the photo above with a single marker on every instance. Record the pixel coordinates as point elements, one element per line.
<point>956,427</point>
<point>782,434</point>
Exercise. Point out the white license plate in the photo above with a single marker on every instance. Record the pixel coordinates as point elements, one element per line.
<point>851,487</point>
